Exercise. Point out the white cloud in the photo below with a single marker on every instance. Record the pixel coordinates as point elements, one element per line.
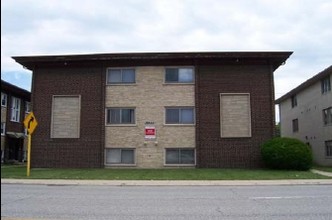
<point>38,27</point>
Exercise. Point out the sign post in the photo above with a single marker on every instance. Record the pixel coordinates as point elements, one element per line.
<point>30,123</point>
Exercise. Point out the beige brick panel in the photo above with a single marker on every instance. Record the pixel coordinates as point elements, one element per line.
<point>66,116</point>
<point>2,142</point>
<point>150,95</point>
<point>3,114</point>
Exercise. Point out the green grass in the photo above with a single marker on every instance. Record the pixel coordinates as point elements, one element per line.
<point>19,172</point>
<point>327,169</point>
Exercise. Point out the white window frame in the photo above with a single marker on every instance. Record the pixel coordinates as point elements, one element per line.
<point>4,99</point>
<point>180,108</point>
<point>121,164</point>
<point>3,128</point>
<point>178,69</point>
<point>15,109</point>
<point>121,69</point>
<point>179,164</point>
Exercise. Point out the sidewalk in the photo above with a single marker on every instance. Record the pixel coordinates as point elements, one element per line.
<point>168,182</point>
<point>324,173</point>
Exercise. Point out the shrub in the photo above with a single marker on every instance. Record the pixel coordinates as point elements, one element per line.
<point>286,153</point>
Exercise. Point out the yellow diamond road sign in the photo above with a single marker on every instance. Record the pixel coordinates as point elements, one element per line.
<point>30,122</point>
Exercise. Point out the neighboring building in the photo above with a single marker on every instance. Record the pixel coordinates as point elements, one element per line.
<point>152,110</point>
<point>306,114</point>
<point>15,104</point>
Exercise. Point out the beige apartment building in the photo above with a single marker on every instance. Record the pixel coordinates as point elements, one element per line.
<point>306,114</point>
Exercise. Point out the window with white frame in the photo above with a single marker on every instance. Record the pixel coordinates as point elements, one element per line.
<point>15,109</point>
<point>179,75</point>
<point>326,84</point>
<point>327,116</point>
<point>328,148</point>
<point>180,115</point>
<point>185,156</point>
<point>4,99</point>
<point>3,128</point>
<point>121,76</point>
<point>118,156</point>
<point>116,116</point>
<point>27,107</point>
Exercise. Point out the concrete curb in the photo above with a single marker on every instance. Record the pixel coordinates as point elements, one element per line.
<point>168,182</point>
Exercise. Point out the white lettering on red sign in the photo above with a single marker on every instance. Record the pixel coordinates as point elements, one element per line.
<point>150,132</point>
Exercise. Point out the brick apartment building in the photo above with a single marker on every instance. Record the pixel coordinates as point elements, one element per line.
<point>15,104</point>
<point>152,110</point>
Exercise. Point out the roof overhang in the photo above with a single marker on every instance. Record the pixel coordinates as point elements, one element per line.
<point>16,135</point>
<point>275,59</point>
<point>15,90</point>
<point>305,85</point>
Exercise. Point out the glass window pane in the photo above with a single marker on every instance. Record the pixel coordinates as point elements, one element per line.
<point>172,116</point>
<point>113,156</point>
<point>127,156</point>
<point>172,156</point>
<point>108,116</point>
<point>187,156</point>
<point>127,116</point>
<point>128,75</point>
<point>186,75</point>
<point>171,75</point>
<point>114,76</point>
<point>187,116</point>
<point>115,116</point>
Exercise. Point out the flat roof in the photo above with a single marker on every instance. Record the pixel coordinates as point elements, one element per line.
<point>276,58</point>
<point>306,84</point>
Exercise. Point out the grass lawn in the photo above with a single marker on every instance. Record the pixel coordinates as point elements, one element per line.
<point>327,169</point>
<point>19,172</point>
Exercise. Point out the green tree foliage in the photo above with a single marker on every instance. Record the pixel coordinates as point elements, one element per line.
<point>286,153</point>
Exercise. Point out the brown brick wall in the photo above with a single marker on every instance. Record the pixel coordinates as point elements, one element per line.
<point>214,151</point>
<point>85,151</point>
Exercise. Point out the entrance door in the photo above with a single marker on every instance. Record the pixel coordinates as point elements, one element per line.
<point>15,149</point>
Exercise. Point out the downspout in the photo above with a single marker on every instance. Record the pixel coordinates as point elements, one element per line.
<point>273,121</point>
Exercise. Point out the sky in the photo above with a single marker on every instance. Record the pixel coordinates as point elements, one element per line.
<point>53,27</point>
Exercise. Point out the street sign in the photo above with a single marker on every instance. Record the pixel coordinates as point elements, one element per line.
<point>30,122</point>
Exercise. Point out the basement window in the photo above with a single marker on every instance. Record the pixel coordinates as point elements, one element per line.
<point>120,156</point>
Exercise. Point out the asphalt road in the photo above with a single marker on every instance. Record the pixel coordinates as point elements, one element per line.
<point>20,201</point>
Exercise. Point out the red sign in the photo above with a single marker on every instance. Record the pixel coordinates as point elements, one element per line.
<point>150,132</point>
